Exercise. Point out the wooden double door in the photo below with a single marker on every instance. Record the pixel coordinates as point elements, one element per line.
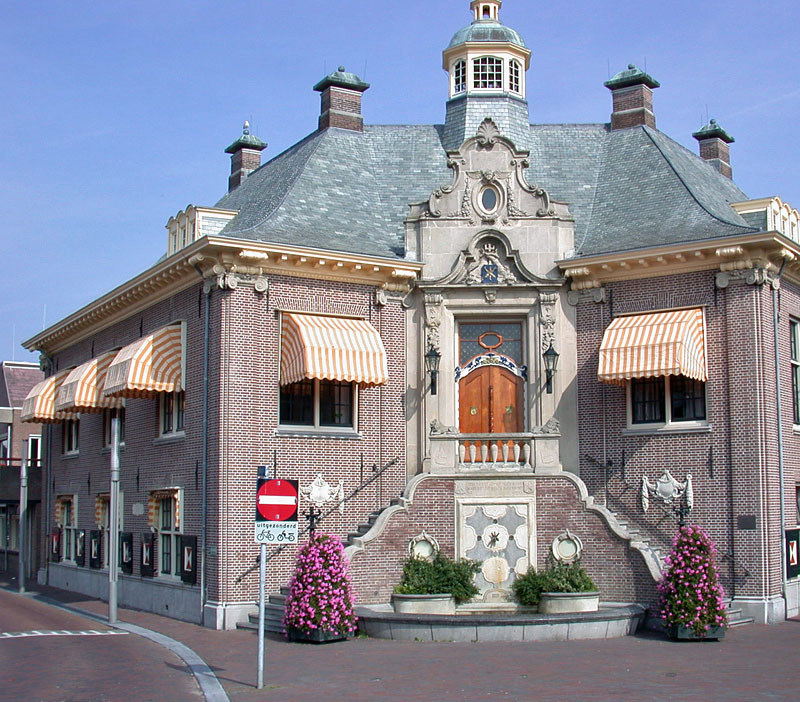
<point>491,402</point>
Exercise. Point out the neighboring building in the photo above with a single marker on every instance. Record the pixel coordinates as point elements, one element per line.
<point>296,323</point>
<point>18,439</point>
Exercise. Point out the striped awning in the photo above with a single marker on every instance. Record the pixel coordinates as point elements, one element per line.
<point>40,404</point>
<point>82,390</point>
<point>651,345</point>
<point>148,366</point>
<point>331,348</point>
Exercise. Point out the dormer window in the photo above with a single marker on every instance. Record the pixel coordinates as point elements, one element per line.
<point>513,76</point>
<point>460,77</point>
<point>488,72</point>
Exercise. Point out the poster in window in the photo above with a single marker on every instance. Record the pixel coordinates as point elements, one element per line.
<point>126,551</point>
<point>55,545</point>
<point>148,549</point>
<point>95,557</point>
<point>792,553</point>
<point>80,547</point>
<point>188,562</point>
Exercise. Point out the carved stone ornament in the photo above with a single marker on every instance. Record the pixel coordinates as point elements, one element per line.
<point>576,297</point>
<point>750,276</point>
<point>488,160</point>
<point>433,319</point>
<point>547,318</point>
<point>320,493</point>
<point>552,426</point>
<point>667,489</point>
<point>488,268</point>
<point>437,427</point>
<point>423,546</point>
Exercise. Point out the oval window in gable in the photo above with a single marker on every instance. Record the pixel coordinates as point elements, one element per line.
<point>489,199</point>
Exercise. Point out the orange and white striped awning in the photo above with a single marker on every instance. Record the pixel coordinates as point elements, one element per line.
<point>40,403</point>
<point>651,345</point>
<point>82,390</point>
<point>148,366</point>
<point>331,348</point>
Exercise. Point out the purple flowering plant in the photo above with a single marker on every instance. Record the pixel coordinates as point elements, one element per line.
<point>320,596</point>
<point>691,594</point>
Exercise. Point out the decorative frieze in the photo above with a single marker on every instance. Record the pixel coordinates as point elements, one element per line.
<point>547,318</point>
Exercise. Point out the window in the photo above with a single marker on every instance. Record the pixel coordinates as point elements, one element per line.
<point>169,537</point>
<point>172,412</point>
<point>794,339</point>
<point>460,77</point>
<point>69,436</point>
<point>513,76</point>
<point>667,400</point>
<point>34,450</point>
<point>9,527</point>
<point>318,403</point>
<point>108,415</point>
<point>487,72</point>
<point>68,522</point>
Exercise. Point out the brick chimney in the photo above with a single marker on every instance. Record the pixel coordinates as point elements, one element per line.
<point>245,156</point>
<point>341,100</point>
<point>632,91</point>
<point>714,147</point>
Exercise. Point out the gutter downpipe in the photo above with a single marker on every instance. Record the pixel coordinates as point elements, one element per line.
<point>781,476</point>
<point>204,451</point>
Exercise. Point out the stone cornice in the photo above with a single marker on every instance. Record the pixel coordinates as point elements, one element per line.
<point>218,258</point>
<point>765,250</point>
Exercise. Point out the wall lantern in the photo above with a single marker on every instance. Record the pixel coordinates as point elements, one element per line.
<point>550,365</point>
<point>432,359</point>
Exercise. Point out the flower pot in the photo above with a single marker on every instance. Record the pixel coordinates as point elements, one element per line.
<point>679,632</point>
<point>568,602</point>
<point>442,603</point>
<point>313,635</point>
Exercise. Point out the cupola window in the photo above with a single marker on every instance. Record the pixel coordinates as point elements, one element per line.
<point>487,12</point>
<point>488,72</point>
<point>513,76</point>
<point>460,77</point>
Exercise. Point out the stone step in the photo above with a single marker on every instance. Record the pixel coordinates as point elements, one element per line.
<point>733,623</point>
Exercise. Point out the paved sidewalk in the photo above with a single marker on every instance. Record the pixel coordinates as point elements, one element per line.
<point>752,663</point>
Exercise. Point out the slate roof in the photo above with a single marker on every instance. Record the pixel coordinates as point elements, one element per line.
<point>349,191</point>
<point>16,381</point>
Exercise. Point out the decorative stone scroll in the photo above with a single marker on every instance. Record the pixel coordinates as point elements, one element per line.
<point>667,489</point>
<point>547,318</point>
<point>319,492</point>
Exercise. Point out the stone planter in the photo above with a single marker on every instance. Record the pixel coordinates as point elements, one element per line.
<point>686,633</point>
<point>423,604</point>
<point>568,602</point>
<point>313,636</point>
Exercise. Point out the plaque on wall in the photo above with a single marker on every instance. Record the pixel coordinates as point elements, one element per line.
<point>95,539</point>
<point>126,551</point>
<point>792,553</point>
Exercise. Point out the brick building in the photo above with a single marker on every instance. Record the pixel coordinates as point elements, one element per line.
<point>381,306</point>
<point>18,439</point>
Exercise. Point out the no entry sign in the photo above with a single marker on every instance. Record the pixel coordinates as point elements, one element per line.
<point>276,511</point>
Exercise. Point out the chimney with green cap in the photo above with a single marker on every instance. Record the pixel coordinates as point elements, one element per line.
<point>632,92</point>
<point>714,147</point>
<point>245,156</point>
<point>341,100</point>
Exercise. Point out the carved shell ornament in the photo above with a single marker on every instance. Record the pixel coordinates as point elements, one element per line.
<point>487,133</point>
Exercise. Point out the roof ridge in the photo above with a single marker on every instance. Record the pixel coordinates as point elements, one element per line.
<point>683,182</point>
<point>290,183</point>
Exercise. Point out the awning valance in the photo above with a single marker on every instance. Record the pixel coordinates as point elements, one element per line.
<point>82,390</point>
<point>331,348</point>
<point>148,366</point>
<point>652,345</point>
<point>40,404</point>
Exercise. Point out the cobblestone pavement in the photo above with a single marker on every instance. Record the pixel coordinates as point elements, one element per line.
<point>751,663</point>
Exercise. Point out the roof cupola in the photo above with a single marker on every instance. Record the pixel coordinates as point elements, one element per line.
<point>341,100</point>
<point>486,64</point>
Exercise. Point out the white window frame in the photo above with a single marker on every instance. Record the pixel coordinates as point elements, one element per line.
<point>108,415</point>
<point>69,529</point>
<point>668,424</point>
<point>34,450</point>
<point>459,87</point>
<point>316,427</point>
<point>176,425</point>
<point>70,437</point>
<point>170,534</point>
<point>495,72</point>
<point>794,363</point>
<point>515,77</point>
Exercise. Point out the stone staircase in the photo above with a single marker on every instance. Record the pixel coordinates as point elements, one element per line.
<point>273,614</point>
<point>735,617</point>
<point>362,529</point>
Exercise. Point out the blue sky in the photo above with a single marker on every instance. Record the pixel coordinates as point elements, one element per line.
<point>115,115</point>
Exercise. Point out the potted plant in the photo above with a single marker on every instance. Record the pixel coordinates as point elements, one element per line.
<point>558,588</point>
<point>435,585</point>
<point>319,606</point>
<point>692,604</point>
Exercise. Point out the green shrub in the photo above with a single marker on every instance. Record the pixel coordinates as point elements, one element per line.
<point>437,576</point>
<point>556,577</point>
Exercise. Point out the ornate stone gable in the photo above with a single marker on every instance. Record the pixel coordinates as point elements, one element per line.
<point>489,185</point>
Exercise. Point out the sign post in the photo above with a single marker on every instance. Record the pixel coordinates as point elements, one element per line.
<point>275,523</point>
<point>23,515</point>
